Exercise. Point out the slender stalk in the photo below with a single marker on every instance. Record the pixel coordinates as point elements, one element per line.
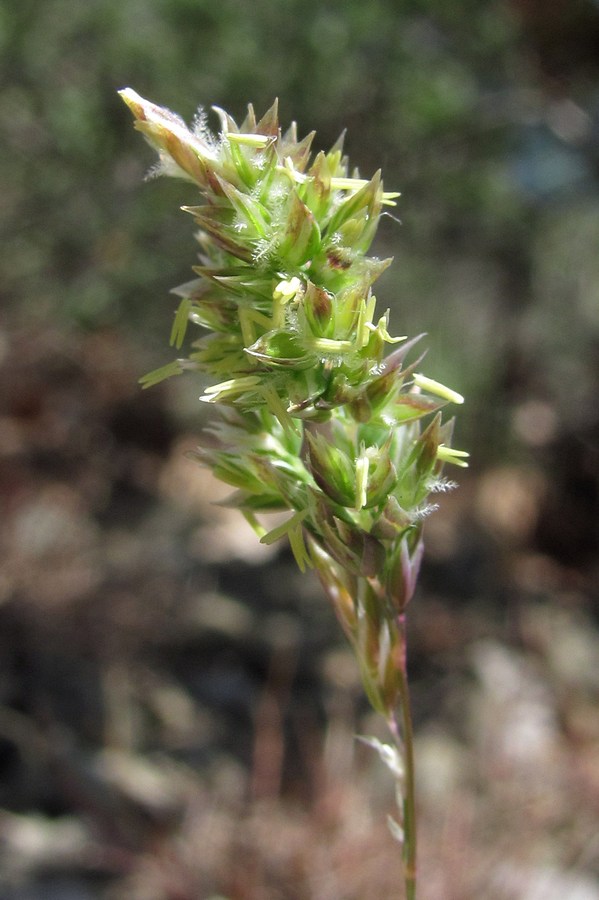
<point>404,737</point>
<point>409,801</point>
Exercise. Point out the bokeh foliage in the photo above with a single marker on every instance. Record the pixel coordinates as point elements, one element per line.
<point>478,113</point>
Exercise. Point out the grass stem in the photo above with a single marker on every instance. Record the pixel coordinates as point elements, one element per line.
<point>403,733</point>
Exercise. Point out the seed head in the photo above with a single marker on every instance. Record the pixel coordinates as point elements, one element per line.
<point>319,420</point>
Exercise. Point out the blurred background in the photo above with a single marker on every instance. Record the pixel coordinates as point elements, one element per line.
<point>177,705</point>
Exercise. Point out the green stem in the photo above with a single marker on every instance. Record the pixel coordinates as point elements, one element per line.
<point>405,744</point>
<point>409,801</point>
